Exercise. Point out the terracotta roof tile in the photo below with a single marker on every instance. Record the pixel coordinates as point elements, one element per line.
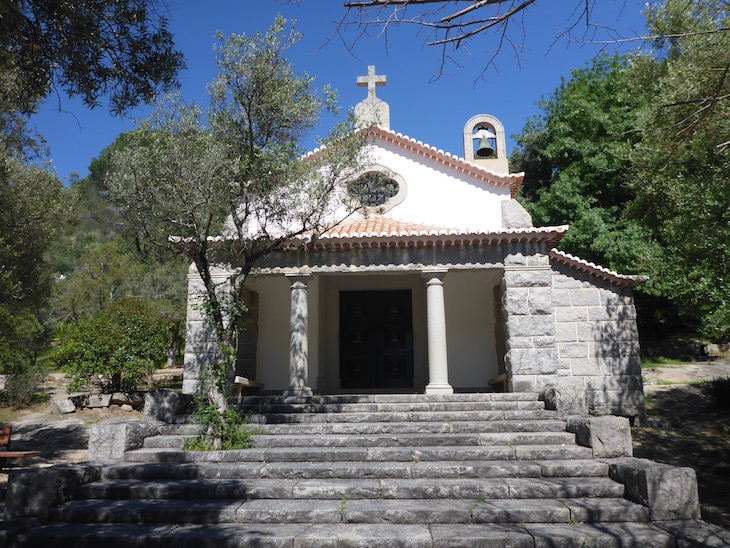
<point>595,270</point>
<point>382,227</point>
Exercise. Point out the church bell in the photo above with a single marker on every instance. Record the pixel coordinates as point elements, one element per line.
<point>486,137</point>
<point>485,150</point>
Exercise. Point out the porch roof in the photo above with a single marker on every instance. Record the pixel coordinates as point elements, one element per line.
<point>381,231</point>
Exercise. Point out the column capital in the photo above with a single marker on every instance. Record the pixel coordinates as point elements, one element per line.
<point>434,274</point>
<point>298,278</point>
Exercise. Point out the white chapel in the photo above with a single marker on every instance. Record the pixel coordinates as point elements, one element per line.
<point>440,284</point>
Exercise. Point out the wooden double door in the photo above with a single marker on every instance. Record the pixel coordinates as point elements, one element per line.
<point>376,339</point>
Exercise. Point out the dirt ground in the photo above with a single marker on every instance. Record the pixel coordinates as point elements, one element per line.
<point>684,428</point>
<point>687,428</point>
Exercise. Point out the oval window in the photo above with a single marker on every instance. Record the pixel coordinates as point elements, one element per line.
<point>373,189</point>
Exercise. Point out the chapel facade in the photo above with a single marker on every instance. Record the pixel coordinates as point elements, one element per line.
<point>440,284</point>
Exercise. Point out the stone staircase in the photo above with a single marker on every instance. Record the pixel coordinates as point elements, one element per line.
<point>361,470</point>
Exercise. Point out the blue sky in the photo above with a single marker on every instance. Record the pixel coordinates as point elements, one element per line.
<point>432,112</point>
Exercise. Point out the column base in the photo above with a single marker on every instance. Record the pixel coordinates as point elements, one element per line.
<point>439,388</point>
<point>299,392</point>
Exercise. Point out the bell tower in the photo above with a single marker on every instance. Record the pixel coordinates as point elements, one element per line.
<point>484,143</point>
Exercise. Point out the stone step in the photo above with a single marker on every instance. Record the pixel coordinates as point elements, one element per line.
<point>403,511</point>
<point>413,440</point>
<point>364,454</point>
<point>390,398</point>
<point>249,489</point>
<point>404,416</point>
<point>346,535</point>
<point>182,429</point>
<point>442,427</point>
<point>362,470</point>
<point>400,407</point>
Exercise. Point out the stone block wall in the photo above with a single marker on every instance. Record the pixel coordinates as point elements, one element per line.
<point>531,360</point>
<point>200,344</point>
<point>571,330</point>
<point>597,340</point>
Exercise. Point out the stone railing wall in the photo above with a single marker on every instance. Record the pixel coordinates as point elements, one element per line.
<point>598,341</point>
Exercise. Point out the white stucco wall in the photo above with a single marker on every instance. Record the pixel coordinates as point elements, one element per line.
<point>472,355</point>
<point>437,195</point>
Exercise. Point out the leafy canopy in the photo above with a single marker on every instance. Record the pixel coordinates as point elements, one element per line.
<point>632,152</point>
<point>88,48</point>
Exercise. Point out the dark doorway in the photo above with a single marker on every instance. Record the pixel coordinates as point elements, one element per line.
<point>376,339</point>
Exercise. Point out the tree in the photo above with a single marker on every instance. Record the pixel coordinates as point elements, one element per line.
<point>576,158</point>
<point>31,203</point>
<point>631,153</point>
<point>88,48</point>
<point>681,165</point>
<point>452,25</point>
<point>237,169</point>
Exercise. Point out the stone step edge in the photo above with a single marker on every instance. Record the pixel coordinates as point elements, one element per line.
<point>395,398</point>
<point>286,511</point>
<point>528,535</point>
<point>331,489</point>
<point>478,453</point>
<point>482,439</point>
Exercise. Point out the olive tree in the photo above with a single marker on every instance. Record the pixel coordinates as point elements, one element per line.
<point>237,169</point>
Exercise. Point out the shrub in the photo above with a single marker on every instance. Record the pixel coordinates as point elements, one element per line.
<point>116,349</point>
<point>21,386</point>
<point>224,431</point>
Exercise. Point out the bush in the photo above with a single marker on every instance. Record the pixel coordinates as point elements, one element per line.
<point>116,349</point>
<point>21,386</point>
<point>225,431</point>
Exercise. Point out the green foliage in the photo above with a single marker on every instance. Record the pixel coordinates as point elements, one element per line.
<point>31,205</point>
<point>119,48</point>
<point>22,385</point>
<point>22,338</point>
<point>681,166</point>
<point>576,159</point>
<point>632,152</point>
<point>115,349</point>
<point>224,431</point>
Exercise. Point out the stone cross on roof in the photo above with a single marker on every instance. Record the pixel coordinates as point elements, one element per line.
<point>372,111</point>
<point>371,80</point>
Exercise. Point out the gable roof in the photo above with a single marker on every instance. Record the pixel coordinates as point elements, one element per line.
<point>511,180</point>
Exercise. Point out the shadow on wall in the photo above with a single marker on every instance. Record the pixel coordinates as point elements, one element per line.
<point>606,353</point>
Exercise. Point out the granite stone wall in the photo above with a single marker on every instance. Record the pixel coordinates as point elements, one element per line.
<point>571,330</point>
<point>598,341</point>
<point>200,344</point>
